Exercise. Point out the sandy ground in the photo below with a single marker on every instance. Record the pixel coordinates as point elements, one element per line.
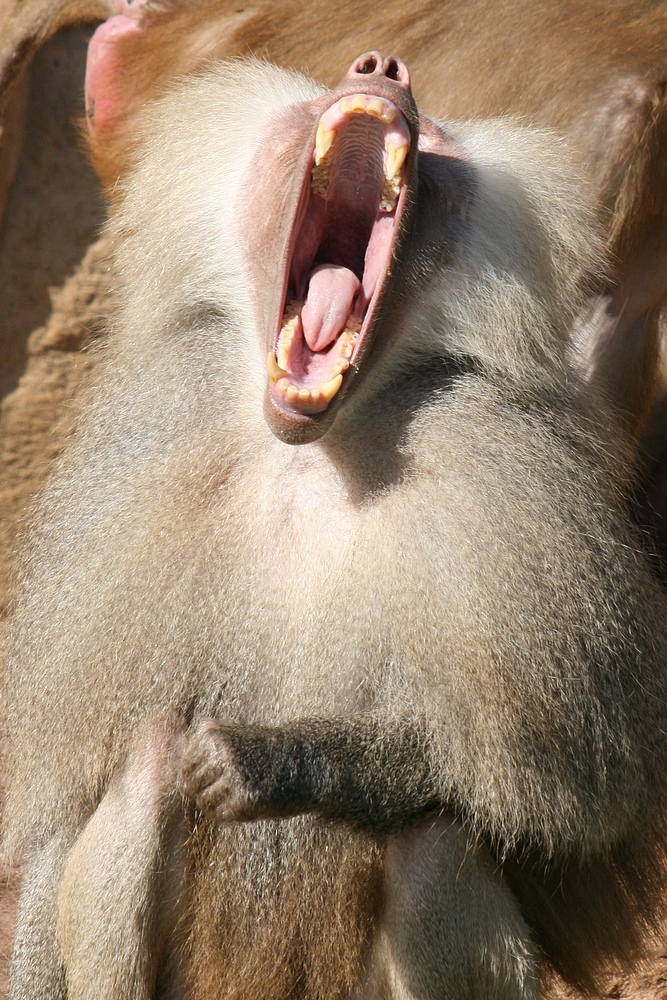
<point>50,302</point>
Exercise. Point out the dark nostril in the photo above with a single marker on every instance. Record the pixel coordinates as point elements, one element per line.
<point>395,69</point>
<point>391,69</point>
<point>369,65</point>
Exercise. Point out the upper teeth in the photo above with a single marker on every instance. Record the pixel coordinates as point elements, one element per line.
<point>390,193</point>
<point>361,104</point>
<point>394,160</point>
<point>320,175</point>
<point>323,142</point>
<point>397,143</point>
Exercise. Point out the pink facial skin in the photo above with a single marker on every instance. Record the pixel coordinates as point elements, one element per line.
<point>103,65</point>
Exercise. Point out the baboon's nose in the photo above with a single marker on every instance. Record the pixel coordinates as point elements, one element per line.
<point>373,64</point>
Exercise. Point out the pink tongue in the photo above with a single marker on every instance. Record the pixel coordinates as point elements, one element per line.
<point>328,304</point>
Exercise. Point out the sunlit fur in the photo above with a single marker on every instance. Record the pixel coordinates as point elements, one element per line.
<point>454,548</point>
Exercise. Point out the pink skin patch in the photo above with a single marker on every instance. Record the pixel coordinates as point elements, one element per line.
<point>103,66</point>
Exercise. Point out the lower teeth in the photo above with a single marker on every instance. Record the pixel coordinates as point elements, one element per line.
<point>278,369</point>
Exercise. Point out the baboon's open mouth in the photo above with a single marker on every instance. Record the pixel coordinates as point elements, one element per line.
<point>341,250</point>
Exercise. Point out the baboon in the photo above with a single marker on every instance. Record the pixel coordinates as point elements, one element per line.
<point>337,667</point>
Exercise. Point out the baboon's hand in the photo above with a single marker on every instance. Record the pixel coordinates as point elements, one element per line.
<point>211,774</point>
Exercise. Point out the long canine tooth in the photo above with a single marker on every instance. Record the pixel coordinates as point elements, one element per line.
<point>330,388</point>
<point>273,368</point>
<point>395,160</point>
<point>323,142</point>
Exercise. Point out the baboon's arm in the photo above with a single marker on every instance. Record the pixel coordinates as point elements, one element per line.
<point>373,774</point>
